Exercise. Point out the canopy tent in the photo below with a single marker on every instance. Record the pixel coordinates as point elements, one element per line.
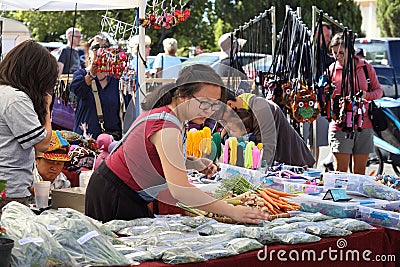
<point>66,5</point>
<point>69,5</point>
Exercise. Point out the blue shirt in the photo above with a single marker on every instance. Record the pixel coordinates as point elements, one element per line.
<point>86,105</point>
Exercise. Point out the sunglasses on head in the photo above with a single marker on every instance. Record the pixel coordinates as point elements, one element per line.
<point>98,46</point>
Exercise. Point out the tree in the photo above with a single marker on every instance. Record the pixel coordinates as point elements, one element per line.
<point>388,15</point>
<point>208,20</point>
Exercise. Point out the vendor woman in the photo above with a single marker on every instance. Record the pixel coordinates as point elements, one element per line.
<point>151,157</point>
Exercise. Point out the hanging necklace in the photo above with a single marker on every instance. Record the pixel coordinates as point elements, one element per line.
<point>102,79</point>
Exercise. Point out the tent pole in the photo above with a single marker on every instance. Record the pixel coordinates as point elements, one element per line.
<point>141,67</point>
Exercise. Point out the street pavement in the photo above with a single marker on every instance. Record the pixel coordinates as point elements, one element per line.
<point>324,152</point>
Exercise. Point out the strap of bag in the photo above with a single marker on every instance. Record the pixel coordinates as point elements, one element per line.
<point>156,116</point>
<point>98,104</point>
<point>367,77</point>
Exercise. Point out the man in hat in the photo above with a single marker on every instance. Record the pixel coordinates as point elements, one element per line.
<point>50,164</point>
<point>230,47</point>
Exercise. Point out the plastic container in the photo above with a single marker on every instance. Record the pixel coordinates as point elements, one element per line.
<point>229,171</point>
<point>348,209</point>
<point>382,215</point>
<point>363,185</point>
<point>291,185</point>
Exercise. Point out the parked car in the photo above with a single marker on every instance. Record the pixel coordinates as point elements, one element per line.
<point>51,45</point>
<point>262,64</point>
<point>214,58</point>
<point>384,55</point>
<point>151,59</point>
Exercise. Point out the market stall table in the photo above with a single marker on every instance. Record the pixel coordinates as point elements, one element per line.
<point>376,240</point>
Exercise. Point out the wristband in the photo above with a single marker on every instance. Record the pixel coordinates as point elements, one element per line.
<point>91,76</point>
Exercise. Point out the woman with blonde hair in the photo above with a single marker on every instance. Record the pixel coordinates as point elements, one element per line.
<point>167,64</point>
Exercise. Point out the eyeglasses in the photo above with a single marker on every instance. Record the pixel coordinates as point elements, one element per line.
<point>98,46</point>
<point>204,105</point>
<point>78,36</point>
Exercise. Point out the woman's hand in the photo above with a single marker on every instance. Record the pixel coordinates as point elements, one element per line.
<point>207,167</point>
<point>248,215</point>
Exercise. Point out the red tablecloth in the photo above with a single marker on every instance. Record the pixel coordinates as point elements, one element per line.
<point>375,240</point>
<point>394,239</point>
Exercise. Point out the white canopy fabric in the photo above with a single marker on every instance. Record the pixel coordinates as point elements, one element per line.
<point>66,5</point>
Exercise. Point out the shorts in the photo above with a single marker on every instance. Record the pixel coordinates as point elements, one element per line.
<point>322,132</point>
<point>362,142</point>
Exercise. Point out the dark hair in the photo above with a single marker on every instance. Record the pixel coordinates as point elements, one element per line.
<point>99,38</point>
<point>30,68</point>
<point>164,94</point>
<point>191,79</point>
<point>230,95</point>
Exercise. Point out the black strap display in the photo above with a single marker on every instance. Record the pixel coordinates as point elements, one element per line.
<point>367,77</point>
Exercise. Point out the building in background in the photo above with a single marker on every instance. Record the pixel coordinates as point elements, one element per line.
<point>369,21</point>
<point>12,32</point>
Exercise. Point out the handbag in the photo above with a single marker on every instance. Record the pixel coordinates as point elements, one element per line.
<point>63,111</point>
<point>376,114</point>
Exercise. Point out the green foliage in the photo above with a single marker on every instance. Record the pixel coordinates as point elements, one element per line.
<point>208,20</point>
<point>388,15</point>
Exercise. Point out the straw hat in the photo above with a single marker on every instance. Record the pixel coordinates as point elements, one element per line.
<point>224,43</point>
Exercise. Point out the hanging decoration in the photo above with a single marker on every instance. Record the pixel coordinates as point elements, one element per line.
<point>113,61</point>
<point>117,29</point>
<point>164,16</point>
<point>289,81</point>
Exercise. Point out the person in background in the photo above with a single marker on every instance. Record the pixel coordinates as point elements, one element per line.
<point>50,164</point>
<point>84,82</point>
<point>83,53</point>
<point>68,58</point>
<point>151,158</point>
<point>199,50</point>
<point>167,64</point>
<point>134,49</point>
<point>362,143</point>
<point>28,74</point>
<point>267,123</point>
<point>225,43</point>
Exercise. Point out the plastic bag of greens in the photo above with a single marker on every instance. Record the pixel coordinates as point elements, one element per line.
<point>15,211</point>
<point>241,245</point>
<point>262,234</point>
<point>214,252</point>
<point>181,255</point>
<point>352,225</point>
<point>313,217</point>
<point>87,245</point>
<point>296,238</point>
<point>34,245</point>
<point>323,230</point>
<point>117,225</point>
<point>198,221</point>
<point>290,220</point>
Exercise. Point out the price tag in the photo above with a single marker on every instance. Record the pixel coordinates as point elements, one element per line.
<point>336,195</point>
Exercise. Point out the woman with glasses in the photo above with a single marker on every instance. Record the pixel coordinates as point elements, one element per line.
<point>151,156</point>
<point>344,142</point>
<point>68,58</point>
<point>98,96</point>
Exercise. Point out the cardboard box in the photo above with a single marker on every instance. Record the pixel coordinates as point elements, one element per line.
<point>73,198</point>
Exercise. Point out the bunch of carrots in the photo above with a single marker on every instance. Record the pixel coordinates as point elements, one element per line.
<point>275,201</point>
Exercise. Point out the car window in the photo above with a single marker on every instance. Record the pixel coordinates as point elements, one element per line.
<point>375,52</point>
